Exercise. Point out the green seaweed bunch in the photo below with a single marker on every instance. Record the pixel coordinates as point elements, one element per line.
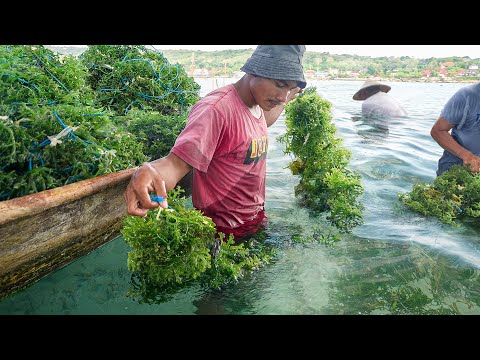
<point>326,184</point>
<point>51,132</point>
<point>53,146</point>
<point>234,260</point>
<point>36,76</point>
<point>454,195</point>
<point>132,76</point>
<point>157,132</point>
<point>170,246</point>
<point>174,249</point>
<point>55,129</point>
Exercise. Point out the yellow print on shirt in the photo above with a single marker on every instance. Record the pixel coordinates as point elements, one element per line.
<point>257,150</point>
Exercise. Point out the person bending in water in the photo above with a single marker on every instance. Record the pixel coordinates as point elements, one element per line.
<point>457,130</point>
<point>376,101</point>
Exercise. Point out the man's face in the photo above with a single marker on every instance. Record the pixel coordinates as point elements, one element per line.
<point>269,93</point>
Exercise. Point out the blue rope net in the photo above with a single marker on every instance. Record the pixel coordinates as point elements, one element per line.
<point>61,116</point>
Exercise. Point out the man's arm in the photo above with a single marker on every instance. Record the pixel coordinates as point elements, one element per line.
<point>157,176</point>
<point>441,134</point>
<point>272,115</point>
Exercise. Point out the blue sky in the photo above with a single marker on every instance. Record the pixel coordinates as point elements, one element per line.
<point>416,51</point>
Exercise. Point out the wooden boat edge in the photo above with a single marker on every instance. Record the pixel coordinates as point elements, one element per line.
<point>32,204</point>
<point>42,232</point>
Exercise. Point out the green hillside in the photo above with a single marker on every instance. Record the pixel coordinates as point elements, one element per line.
<point>326,65</point>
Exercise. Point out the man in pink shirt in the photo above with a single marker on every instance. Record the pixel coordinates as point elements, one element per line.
<point>225,142</point>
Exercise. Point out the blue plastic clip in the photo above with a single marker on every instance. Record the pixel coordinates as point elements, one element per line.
<point>156,198</point>
<point>159,199</point>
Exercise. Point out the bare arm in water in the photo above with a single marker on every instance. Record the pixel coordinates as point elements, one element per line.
<point>441,134</point>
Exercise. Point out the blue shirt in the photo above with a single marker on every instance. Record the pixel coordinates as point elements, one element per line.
<point>462,111</point>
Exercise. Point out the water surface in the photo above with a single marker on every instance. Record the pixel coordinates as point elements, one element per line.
<point>398,262</point>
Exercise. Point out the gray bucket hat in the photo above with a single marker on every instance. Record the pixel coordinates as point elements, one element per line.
<point>368,88</point>
<point>280,62</point>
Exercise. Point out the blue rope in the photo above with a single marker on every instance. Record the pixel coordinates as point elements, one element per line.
<point>130,105</point>
<point>36,153</point>
<point>169,90</point>
<point>156,198</point>
<point>458,207</point>
<point>45,143</point>
<point>70,132</point>
<point>63,86</point>
<point>21,80</point>
<point>74,178</point>
<point>48,71</point>
<point>5,195</point>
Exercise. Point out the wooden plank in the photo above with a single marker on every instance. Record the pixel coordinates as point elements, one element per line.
<point>42,232</point>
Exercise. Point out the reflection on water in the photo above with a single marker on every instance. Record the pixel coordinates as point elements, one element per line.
<point>371,129</point>
<point>393,279</point>
<point>398,262</point>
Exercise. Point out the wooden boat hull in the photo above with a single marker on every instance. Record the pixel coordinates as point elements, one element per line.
<point>42,232</point>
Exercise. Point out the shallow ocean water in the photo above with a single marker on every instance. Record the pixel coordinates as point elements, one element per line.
<point>398,262</point>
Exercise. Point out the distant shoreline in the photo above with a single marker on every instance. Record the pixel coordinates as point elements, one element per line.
<point>422,80</point>
<point>184,57</point>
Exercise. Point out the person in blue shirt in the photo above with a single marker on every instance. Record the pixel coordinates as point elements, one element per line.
<point>457,130</point>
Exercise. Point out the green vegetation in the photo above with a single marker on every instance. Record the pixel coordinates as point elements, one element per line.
<point>52,132</point>
<point>155,131</point>
<point>172,249</point>
<point>326,184</point>
<point>127,76</point>
<point>65,118</point>
<point>229,62</point>
<point>454,195</point>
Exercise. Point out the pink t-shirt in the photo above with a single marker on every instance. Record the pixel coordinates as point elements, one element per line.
<point>227,147</point>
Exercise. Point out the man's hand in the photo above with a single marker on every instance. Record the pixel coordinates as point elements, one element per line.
<point>158,177</point>
<point>272,115</point>
<point>137,195</point>
<point>473,161</point>
<point>293,94</point>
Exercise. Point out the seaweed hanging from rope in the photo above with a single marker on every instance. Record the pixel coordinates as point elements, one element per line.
<point>326,184</point>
